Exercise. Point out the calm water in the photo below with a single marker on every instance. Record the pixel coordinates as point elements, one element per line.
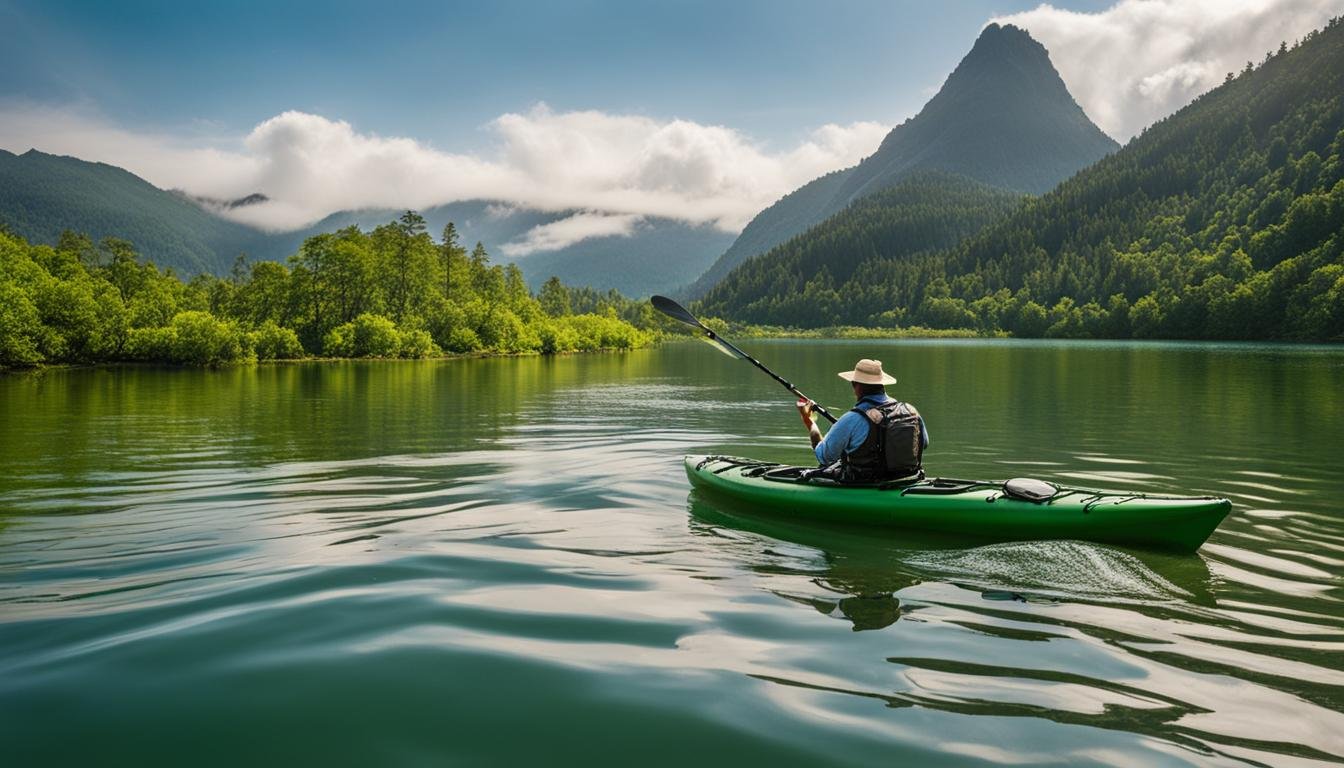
<point>499,560</point>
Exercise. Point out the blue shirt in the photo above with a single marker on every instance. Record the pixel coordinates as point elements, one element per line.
<point>850,430</point>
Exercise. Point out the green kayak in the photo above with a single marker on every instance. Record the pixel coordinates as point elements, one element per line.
<point>1014,510</point>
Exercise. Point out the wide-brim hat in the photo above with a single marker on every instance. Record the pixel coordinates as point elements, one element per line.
<point>867,372</point>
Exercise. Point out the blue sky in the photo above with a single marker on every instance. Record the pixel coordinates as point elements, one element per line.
<point>439,71</point>
<point>705,112</point>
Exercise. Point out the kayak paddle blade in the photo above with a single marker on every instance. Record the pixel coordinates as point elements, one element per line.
<point>675,311</point>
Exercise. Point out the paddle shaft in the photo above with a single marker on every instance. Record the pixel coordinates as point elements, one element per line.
<point>815,406</point>
<point>677,312</point>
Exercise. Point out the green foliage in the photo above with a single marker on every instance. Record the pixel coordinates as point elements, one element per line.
<point>838,272</point>
<point>391,292</point>
<point>1222,221</point>
<point>273,342</point>
<point>200,338</point>
<point>21,329</point>
<point>602,332</point>
<point>554,298</point>
<point>418,343</point>
<point>463,340</point>
<point>368,335</point>
<point>374,336</point>
<point>152,344</point>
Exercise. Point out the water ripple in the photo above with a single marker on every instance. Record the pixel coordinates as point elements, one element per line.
<point>534,584</point>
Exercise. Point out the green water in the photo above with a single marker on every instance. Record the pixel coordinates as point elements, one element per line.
<point>460,562</point>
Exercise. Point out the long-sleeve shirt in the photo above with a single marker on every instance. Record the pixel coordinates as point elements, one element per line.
<point>850,430</point>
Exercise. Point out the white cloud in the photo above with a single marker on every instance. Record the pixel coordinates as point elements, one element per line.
<point>1140,60</point>
<point>616,167</point>
<point>168,161</point>
<point>500,210</point>
<point>571,230</point>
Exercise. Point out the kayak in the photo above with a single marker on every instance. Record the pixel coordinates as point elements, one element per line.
<point>1013,510</point>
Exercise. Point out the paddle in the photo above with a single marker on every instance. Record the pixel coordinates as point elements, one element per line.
<point>679,313</point>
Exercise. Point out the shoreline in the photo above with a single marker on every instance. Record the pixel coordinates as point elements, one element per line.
<point>479,355</point>
<point>766,335</point>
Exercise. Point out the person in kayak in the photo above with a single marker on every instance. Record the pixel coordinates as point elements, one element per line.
<point>879,440</point>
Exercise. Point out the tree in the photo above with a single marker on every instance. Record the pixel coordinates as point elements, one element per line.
<point>81,245</point>
<point>411,223</point>
<point>123,266</point>
<point>554,298</point>
<point>450,253</point>
<point>406,259</point>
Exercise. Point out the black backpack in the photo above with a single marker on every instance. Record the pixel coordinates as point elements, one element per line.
<point>894,448</point>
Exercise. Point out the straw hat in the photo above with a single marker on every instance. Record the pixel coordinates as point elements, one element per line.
<point>867,372</point>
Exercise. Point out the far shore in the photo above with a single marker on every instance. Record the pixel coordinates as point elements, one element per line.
<point>745,332</point>
<point>475,355</point>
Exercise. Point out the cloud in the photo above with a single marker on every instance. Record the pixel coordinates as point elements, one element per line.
<point>571,230</point>
<point>618,168</point>
<point>1140,60</point>
<point>168,161</point>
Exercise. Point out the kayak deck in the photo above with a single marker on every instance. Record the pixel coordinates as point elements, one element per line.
<point>979,509</point>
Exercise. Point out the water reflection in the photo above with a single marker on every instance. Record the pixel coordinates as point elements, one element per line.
<point>503,555</point>
<point>866,566</point>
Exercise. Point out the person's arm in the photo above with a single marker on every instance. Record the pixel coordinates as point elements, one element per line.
<point>839,438</point>
<point>813,433</point>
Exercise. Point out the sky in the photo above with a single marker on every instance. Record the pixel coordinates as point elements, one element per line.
<point>700,111</point>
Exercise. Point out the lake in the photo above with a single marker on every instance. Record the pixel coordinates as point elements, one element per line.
<point>499,560</point>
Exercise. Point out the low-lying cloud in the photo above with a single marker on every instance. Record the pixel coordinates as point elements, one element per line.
<point>1140,60</point>
<point>617,168</point>
<point>571,230</point>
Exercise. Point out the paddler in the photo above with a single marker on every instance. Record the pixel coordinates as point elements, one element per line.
<point>880,439</point>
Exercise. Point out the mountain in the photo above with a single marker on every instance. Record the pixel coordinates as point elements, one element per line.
<point>1003,117</point>
<point>41,195</point>
<point>1224,220</point>
<point>796,283</point>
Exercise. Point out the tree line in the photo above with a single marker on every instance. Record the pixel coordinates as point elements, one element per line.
<point>389,292</point>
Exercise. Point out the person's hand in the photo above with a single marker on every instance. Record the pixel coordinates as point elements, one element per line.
<point>805,409</point>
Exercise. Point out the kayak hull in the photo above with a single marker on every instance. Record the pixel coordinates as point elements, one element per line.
<point>982,510</point>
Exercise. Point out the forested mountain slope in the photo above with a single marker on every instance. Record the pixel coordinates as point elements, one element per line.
<point>1224,220</point>
<point>795,283</point>
<point>1003,117</point>
<point>42,195</point>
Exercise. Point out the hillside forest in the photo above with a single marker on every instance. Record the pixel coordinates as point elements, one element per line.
<point>1222,221</point>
